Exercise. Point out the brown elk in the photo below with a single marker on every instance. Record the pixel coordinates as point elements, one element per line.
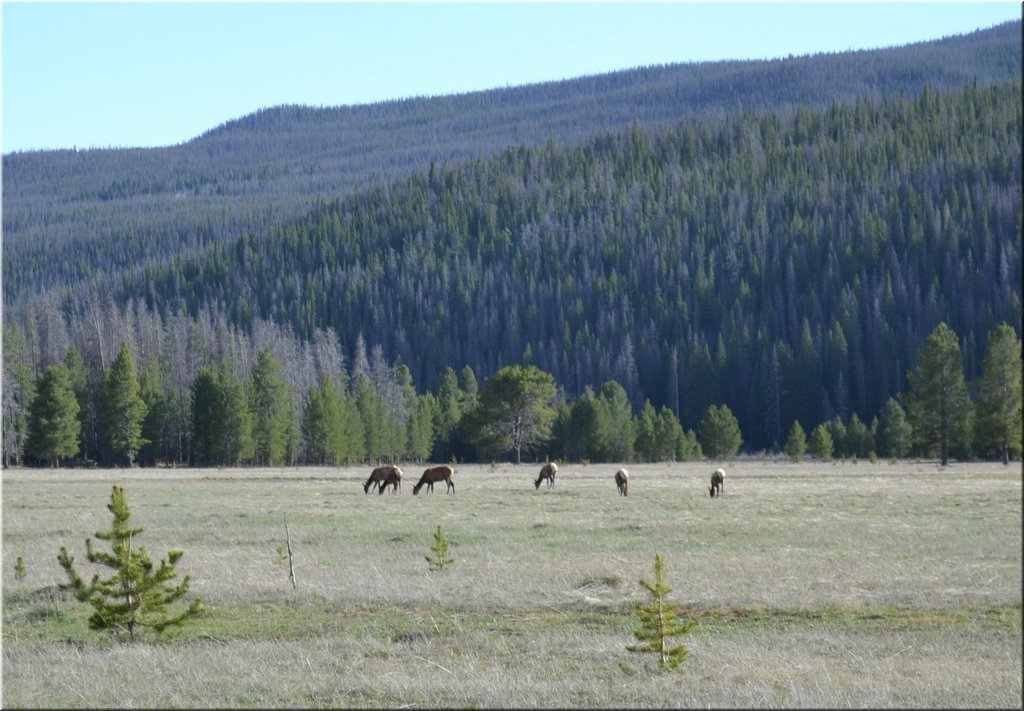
<point>548,472</point>
<point>378,476</point>
<point>433,475</point>
<point>717,483</point>
<point>622,482</point>
<point>393,479</point>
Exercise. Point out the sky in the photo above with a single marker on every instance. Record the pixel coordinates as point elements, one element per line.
<point>140,74</point>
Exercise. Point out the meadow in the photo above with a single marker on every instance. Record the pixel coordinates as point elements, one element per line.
<point>887,584</point>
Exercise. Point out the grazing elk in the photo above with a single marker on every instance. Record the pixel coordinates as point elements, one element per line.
<point>393,479</point>
<point>548,472</point>
<point>434,475</point>
<point>717,483</point>
<point>622,482</point>
<point>378,476</point>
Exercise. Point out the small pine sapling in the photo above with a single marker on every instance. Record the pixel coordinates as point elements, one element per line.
<point>659,621</point>
<point>19,569</point>
<point>440,559</point>
<point>137,594</point>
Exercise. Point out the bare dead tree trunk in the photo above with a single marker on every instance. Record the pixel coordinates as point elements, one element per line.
<point>288,545</point>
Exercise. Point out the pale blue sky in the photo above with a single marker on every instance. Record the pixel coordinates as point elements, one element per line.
<point>147,74</point>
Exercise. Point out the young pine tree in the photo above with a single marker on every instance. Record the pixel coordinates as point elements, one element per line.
<point>660,621</point>
<point>440,559</point>
<point>796,442</point>
<point>136,594</point>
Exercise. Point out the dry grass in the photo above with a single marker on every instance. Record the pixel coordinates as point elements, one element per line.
<point>838,585</point>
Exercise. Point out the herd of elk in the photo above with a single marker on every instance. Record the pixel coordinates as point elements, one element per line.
<point>379,478</point>
<point>391,475</point>
<point>433,475</point>
<point>548,472</point>
<point>622,482</point>
<point>717,483</point>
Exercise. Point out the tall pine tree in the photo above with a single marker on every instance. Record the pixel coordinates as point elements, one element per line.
<point>939,407</point>
<point>53,426</point>
<point>122,409</point>
<point>271,414</point>
<point>998,425</point>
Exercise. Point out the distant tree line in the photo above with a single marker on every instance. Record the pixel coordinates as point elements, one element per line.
<point>124,414</point>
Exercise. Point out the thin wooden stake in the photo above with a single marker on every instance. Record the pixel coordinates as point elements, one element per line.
<point>288,543</point>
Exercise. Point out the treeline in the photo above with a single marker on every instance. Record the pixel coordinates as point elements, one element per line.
<point>786,266</point>
<point>77,217</point>
<point>251,406</point>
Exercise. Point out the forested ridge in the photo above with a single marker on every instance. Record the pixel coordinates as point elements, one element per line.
<point>78,217</point>
<point>783,254</point>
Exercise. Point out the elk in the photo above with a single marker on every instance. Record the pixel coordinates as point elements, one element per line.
<point>378,475</point>
<point>433,475</point>
<point>393,479</point>
<point>717,483</point>
<point>548,472</point>
<point>622,482</point>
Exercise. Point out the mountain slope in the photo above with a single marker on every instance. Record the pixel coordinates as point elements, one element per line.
<point>81,218</point>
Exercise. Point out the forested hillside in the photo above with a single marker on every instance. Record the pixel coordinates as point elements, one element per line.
<point>714,262</point>
<point>78,218</point>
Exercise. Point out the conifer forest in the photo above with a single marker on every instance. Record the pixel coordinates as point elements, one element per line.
<point>774,248</point>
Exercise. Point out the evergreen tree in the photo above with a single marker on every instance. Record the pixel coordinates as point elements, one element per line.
<point>515,410</point>
<point>421,428</point>
<point>858,438</point>
<point>440,558</point>
<point>82,385</point>
<point>221,422</point>
<point>354,431</point>
<point>205,410</point>
<point>122,409</point>
<point>688,449</point>
<point>272,415</point>
<point>618,416</point>
<point>837,431</point>
<point>998,424</point>
<point>660,621</point>
<point>589,428</point>
<point>646,441</point>
<point>137,594</point>
<point>720,436</point>
<point>158,426</point>
<point>373,414</point>
<point>938,405</point>
<point>322,425</point>
<point>449,412</point>
<point>820,444</point>
<point>670,439</point>
<point>18,393</point>
<point>53,426</point>
<point>894,437</point>
<point>796,441</point>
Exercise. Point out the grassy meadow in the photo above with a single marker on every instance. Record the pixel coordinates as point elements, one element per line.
<point>814,585</point>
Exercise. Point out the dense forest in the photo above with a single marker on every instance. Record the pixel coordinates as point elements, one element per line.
<point>783,258</point>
